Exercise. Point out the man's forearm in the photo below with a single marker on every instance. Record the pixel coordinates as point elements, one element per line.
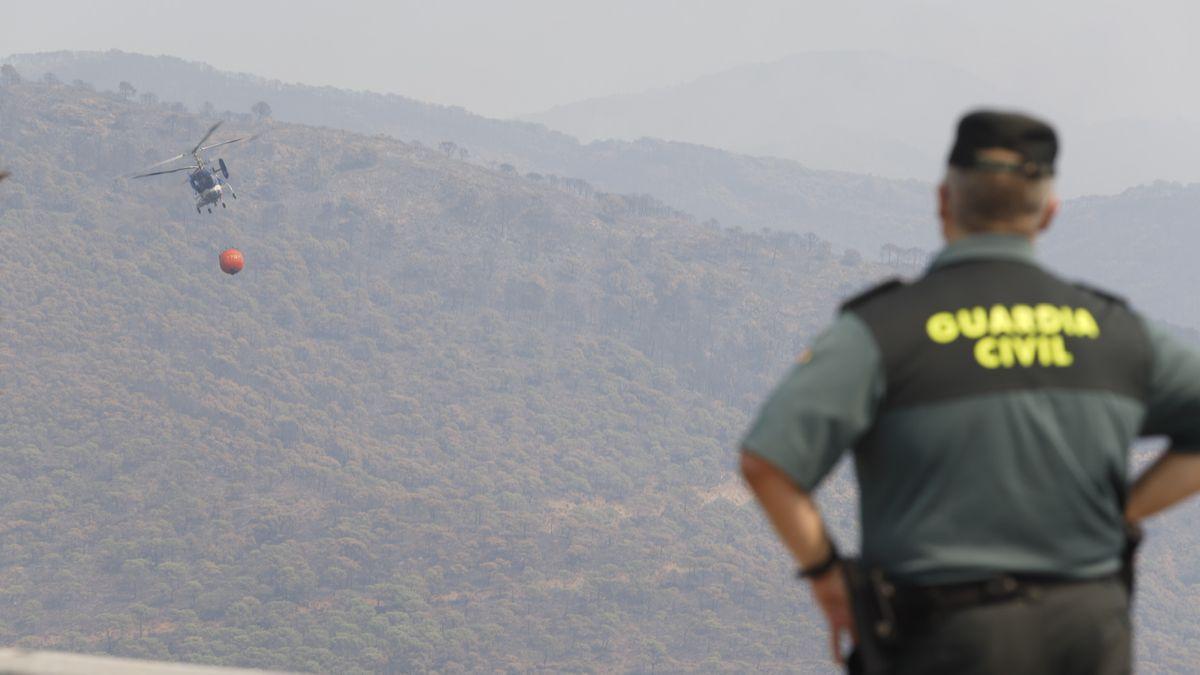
<point>1173,477</point>
<point>791,511</point>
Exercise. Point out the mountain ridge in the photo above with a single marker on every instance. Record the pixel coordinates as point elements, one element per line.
<point>886,114</point>
<point>736,190</point>
<point>738,108</point>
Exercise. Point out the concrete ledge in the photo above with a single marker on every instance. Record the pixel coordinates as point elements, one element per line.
<point>23,662</point>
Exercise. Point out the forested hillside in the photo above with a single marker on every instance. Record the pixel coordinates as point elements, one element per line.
<point>1141,243</point>
<point>447,419</point>
<point>849,210</point>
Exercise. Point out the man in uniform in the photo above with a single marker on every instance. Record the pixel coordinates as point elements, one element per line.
<point>991,407</point>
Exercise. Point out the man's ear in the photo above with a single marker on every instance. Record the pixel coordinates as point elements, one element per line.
<point>1048,214</point>
<point>944,215</point>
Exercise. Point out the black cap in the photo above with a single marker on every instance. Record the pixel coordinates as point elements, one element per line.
<point>1031,138</point>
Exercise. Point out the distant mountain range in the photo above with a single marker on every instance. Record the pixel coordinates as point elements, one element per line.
<point>1142,244</point>
<point>744,191</point>
<point>860,112</point>
<point>1093,238</point>
<point>882,114</point>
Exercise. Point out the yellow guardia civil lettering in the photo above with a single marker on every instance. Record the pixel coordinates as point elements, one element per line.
<point>1020,335</point>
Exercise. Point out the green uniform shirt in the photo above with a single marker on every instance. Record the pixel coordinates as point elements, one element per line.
<point>991,408</point>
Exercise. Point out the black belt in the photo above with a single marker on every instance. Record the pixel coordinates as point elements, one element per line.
<point>914,602</point>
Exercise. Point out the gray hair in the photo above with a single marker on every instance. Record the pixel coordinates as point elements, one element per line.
<point>997,201</point>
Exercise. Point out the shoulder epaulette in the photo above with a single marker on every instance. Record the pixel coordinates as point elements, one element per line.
<point>873,292</point>
<point>1111,297</point>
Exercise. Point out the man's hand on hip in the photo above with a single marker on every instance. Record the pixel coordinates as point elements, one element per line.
<point>833,597</point>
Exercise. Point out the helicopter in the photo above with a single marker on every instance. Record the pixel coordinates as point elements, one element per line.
<point>209,182</point>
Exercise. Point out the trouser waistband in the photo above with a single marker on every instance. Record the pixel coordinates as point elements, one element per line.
<point>925,600</point>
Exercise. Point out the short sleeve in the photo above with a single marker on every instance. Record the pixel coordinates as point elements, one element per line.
<point>1173,400</point>
<point>823,406</point>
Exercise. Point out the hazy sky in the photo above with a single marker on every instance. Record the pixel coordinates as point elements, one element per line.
<point>504,58</point>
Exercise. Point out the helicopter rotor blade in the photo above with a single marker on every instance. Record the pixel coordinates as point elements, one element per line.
<point>216,145</point>
<point>235,140</point>
<point>168,161</point>
<point>206,137</point>
<point>159,173</point>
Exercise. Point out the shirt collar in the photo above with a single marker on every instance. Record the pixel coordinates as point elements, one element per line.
<point>1012,247</point>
